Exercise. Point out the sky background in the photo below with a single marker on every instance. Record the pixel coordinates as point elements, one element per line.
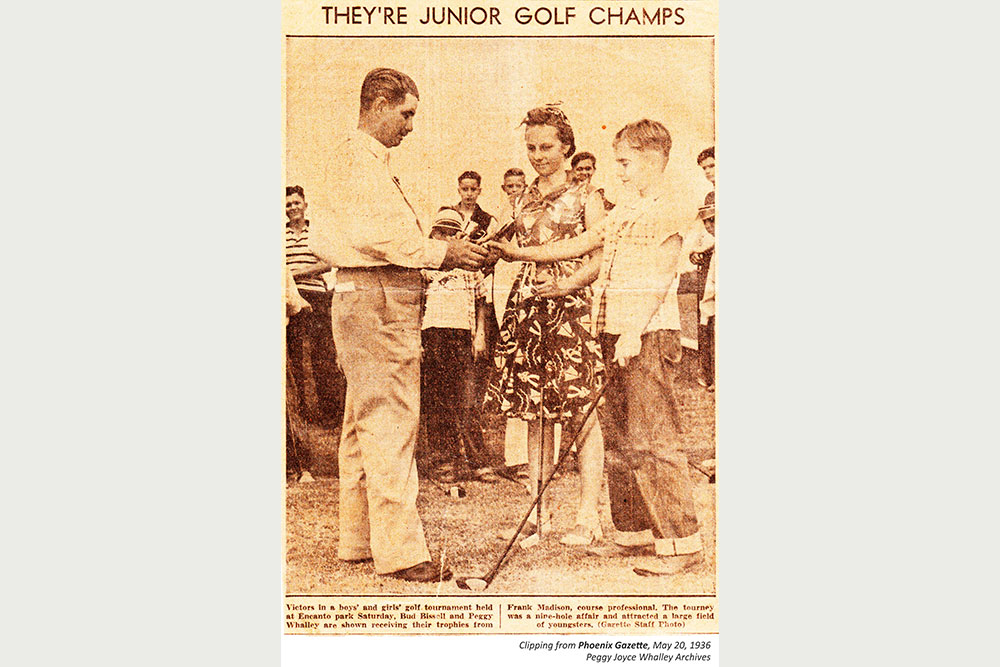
<point>475,92</point>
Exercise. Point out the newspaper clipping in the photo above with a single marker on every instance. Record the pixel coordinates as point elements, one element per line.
<point>500,322</point>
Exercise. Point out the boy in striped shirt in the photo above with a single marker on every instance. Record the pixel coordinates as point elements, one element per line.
<point>313,323</point>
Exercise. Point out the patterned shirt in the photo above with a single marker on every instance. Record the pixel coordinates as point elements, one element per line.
<point>634,233</point>
<point>450,299</point>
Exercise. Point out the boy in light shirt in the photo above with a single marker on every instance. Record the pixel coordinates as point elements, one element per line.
<point>452,338</point>
<point>638,323</point>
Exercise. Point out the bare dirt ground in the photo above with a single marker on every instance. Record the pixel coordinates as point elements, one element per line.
<point>465,531</point>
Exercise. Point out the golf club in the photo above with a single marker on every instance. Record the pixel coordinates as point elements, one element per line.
<point>541,447</point>
<point>709,475</point>
<point>480,583</point>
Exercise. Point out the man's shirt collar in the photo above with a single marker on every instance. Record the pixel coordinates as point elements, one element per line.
<point>373,145</point>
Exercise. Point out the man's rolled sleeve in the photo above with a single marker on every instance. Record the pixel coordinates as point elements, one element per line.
<point>412,252</point>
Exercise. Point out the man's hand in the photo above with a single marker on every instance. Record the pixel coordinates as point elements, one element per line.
<point>492,258</point>
<point>296,306</point>
<point>505,249</point>
<point>626,348</point>
<point>462,254</point>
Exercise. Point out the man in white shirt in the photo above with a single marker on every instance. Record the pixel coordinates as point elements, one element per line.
<point>366,227</point>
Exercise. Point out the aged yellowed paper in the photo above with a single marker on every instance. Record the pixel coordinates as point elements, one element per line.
<point>418,437</point>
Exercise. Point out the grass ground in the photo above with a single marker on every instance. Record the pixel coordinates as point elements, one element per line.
<point>465,530</point>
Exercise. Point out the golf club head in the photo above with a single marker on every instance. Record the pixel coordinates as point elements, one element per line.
<point>530,541</point>
<point>471,583</point>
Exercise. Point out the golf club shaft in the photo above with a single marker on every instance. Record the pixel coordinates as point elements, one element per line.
<point>435,482</point>
<point>700,469</point>
<point>541,451</point>
<point>563,451</point>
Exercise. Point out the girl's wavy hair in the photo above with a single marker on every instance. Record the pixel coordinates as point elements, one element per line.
<point>553,116</point>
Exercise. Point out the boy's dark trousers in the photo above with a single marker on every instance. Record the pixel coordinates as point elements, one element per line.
<point>706,333</point>
<point>648,478</point>
<point>316,326</point>
<point>447,398</point>
<point>706,350</point>
<point>297,454</point>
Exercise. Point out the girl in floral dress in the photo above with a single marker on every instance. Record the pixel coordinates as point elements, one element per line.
<point>545,341</point>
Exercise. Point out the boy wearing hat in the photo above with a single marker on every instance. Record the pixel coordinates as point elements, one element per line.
<point>454,313</point>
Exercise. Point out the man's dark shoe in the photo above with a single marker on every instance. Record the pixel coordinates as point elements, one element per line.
<point>423,572</point>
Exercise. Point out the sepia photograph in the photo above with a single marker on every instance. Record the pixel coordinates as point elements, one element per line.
<point>500,316</point>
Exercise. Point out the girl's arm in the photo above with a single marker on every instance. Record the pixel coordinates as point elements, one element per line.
<point>583,276</point>
<point>577,246</point>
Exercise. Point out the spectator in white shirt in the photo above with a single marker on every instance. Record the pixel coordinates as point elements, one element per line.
<point>452,337</point>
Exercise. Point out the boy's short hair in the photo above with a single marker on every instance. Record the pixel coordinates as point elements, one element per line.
<point>580,157</point>
<point>295,190</point>
<point>705,154</point>
<point>513,171</point>
<point>471,175</point>
<point>645,135</point>
<point>391,84</point>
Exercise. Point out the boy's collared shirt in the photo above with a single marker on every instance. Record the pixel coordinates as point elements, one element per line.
<point>478,224</point>
<point>450,299</point>
<point>634,233</point>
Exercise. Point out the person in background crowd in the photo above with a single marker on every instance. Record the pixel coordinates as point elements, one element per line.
<point>514,185</point>
<point>703,257</point>
<point>367,228</point>
<point>504,273</point>
<point>584,166</point>
<point>477,223</point>
<point>452,336</point>
<point>311,323</point>
<point>297,456</point>
<point>638,320</point>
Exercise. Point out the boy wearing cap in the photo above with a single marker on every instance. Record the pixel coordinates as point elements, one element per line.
<point>452,336</point>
